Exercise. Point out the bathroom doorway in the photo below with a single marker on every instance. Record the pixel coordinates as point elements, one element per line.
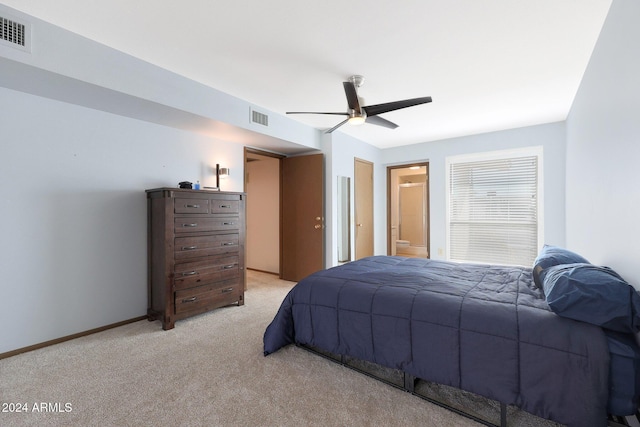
<point>408,210</point>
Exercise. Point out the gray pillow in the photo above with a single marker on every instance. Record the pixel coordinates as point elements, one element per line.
<point>550,256</point>
<point>592,294</point>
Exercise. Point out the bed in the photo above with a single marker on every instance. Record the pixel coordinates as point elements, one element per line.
<point>488,330</point>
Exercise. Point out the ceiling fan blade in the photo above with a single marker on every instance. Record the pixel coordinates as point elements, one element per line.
<point>377,120</point>
<point>352,96</point>
<point>316,112</point>
<point>336,126</point>
<point>373,110</point>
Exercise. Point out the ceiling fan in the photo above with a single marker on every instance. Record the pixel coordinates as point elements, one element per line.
<point>358,114</point>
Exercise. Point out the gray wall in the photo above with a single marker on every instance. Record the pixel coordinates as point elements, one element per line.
<point>340,153</point>
<point>603,149</point>
<point>550,136</point>
<point>73,212</point>
<point>89,129</point>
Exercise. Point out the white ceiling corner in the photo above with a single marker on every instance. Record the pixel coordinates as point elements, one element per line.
<point>489,65</point>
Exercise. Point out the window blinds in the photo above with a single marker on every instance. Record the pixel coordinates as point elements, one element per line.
<point>493,211</point>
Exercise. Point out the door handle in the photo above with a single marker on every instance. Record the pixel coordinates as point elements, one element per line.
<point>359,225</point>
<point>317,226</point>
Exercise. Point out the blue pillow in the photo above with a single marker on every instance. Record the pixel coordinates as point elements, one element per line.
<point>592,294</point>
<point>550,256</point>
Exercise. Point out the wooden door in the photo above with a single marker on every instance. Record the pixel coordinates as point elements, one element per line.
<point>302,216</point>
<point>363,199</point>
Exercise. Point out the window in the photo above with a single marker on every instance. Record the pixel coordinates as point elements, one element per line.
<point>494,207</point>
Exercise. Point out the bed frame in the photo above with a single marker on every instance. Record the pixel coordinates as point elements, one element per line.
<point>406,382</point>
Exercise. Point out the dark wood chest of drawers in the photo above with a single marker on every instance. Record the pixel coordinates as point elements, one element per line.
<point>196,252</point>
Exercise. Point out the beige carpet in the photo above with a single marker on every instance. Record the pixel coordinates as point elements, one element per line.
<point>208,371</point>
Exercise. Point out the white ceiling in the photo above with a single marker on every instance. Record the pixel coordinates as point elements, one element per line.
<point>488,65</point>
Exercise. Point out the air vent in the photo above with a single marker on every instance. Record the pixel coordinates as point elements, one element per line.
<point>15,34</point>
<point>261,119</point>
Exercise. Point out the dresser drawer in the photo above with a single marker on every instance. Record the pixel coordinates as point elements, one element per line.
<point>197,224</point>
<point>206,271</point>
<point>225,206</point>
<point>204,297</point>
<point>182,206</point>
<point>203,246</point>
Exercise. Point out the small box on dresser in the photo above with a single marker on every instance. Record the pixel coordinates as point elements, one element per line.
<point>196,252</point>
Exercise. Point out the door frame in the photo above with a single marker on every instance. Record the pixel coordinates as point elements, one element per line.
<point>257,151</point>
<point>427,202</point>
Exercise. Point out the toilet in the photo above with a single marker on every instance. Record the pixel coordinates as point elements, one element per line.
<point>402,246</point>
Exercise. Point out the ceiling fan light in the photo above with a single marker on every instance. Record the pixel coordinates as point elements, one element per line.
<point>356,120</point>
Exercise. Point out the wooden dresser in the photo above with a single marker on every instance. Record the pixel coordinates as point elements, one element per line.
<point>196,252</point>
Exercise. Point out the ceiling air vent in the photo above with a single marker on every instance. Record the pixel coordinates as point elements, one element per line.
<point>261,119</point>
<point>15,34</point>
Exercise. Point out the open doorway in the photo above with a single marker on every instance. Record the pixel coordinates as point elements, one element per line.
<point>408,210</point>
<point>284,213</point>
<point>262,185</point>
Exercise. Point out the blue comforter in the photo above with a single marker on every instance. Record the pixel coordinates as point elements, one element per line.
<point>484,329</point>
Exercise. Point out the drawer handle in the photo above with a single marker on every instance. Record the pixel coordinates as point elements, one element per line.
<point>190,273</point>
<point>228,223</point>
<point>227,290</point>
<point>192,299</point>
<point>193,224</point>
<point>192,206</point>
<point>189,248</point>
<point>228,267</point>
<point>229,244</point>
<point>225,206</point>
